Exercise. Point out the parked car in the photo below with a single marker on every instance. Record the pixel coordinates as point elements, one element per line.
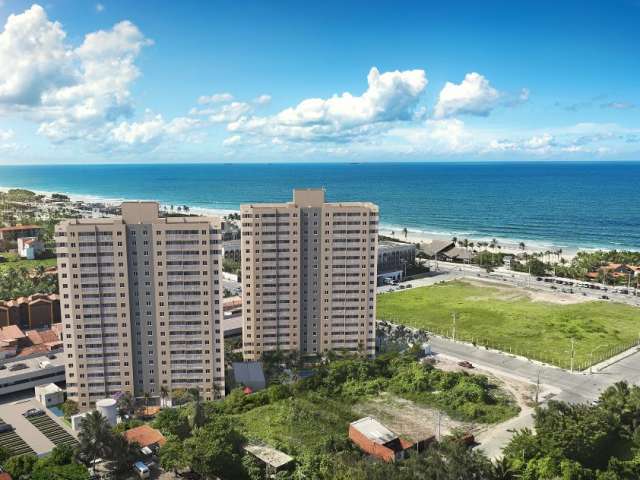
<point>33,412</point>
<point>465,364</point>
<point>141,469</point>
<point>18,366</point>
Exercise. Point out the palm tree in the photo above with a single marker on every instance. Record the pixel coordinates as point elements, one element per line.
<point>197,417</point>
<point>126,404</point>
<point>94,436</point>
<point>522,246</point>
<point>164,394</point>
<point>405,232</point>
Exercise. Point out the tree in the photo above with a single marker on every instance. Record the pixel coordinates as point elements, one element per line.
<point>69,408</point>
<point>196,416</point>
<point>94,436</point>
<point>173,421</point>
<point>126,404</point>
<point>122,453</point>
<point>4,454</point>
<point>405,232</point>
<point>215,450</point>
<point>172,455</point>
<point>20,466</point>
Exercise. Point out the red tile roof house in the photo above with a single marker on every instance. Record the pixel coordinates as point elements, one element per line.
<point>616,270</point>
<point>19,231</point>
<point>377,440</point>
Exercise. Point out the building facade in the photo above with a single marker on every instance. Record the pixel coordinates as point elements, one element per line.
<point>393,259</point>
<point>309,275</point>
<point>141,304</point>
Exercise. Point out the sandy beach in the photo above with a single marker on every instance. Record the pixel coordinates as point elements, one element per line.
<point>413,236</point>
<point>506,245</point>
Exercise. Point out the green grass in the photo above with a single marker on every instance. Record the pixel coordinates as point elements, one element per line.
<point>507,319</point>
<point>29,264</point>
<point>296,424</point>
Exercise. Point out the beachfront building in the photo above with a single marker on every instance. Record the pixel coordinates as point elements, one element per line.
<point>309,275</point>
<point>141,304</point>
<point>393,259</point>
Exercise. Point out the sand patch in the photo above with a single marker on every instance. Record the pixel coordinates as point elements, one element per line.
<point>511,293</point>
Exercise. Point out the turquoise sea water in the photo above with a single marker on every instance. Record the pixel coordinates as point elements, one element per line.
<point>564,204</point>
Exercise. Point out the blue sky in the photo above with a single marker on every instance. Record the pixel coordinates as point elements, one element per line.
<point>318,81</point>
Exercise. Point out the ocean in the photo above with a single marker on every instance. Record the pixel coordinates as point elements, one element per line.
<point>565,204</point>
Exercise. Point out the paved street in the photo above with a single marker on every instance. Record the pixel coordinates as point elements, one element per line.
<point>571,387</point>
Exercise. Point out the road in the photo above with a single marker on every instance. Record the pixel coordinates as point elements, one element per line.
<point>578,387</point>
<point>451,271</point>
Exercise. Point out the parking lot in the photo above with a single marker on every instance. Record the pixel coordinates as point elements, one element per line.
<point>40,433</point>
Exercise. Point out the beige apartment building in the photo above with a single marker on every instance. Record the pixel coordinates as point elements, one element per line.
<point>141,304</point>
<point>309,275</point>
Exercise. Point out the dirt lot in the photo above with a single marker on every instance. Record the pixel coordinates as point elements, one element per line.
<point>417,422</point>
<point>514,293</point>
<point>408,419</point>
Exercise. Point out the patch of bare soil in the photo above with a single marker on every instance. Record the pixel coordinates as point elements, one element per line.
<point>408,419</point>
<point>510,293</point>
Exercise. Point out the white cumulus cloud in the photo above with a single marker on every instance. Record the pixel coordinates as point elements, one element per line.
<point>473,96</point>
<point>390,97</point>
<point>215,98</point>
<point>72,92</point>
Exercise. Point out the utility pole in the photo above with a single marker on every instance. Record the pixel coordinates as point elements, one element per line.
<point>453,332</point>
<point>538,385</point>
<point>572,352</point>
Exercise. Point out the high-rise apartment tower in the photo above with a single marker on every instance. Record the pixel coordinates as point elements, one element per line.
<point>141,304</point>
<point>309,275</point>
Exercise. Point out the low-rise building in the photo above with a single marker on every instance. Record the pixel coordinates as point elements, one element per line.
<point>145,436</point>
<point>30,247</point>
<point>24,374</point>
<point>616,270</point>
<point>377,440</point>
<point>393,259</point>
<point>249,374</point>
<point>49,394</point>
<point>34,312</point>
<point>11,234</point>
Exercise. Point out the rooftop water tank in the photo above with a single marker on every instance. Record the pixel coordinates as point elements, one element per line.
<point>107,407</point>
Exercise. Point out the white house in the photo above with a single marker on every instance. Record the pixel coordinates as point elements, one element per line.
<point>49,394</point>
<point>29,247</point>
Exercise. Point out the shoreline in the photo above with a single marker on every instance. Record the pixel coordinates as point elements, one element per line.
<point>508,245</point>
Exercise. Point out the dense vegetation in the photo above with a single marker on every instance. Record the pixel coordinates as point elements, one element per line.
<point>22,281</point>
<point>309,419</point>
<point>58,465</point>
<point>585,262</point>
<point>582,442</point>
<point>507,319</point>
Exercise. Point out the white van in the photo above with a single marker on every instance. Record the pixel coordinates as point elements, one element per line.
<point>141,469</point>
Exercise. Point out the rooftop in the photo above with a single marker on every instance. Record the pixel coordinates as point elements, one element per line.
<point>12,413</point>
<point>18,228</point>
<point>374,430</point>
<point>145,436</point>
<point>248,372</point>
<point>272,457</point>
<point>32,365</point>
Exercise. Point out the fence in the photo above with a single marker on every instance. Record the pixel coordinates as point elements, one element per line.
<point>560,359</point>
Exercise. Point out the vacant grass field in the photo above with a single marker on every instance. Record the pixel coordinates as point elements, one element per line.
<point>297,424</point>
<point>507,318</point>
